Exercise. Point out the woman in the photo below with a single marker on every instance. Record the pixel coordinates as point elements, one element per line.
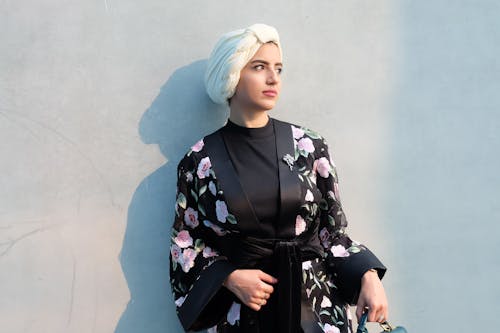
<point>258,241</point>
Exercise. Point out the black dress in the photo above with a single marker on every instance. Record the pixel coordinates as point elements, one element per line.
<point>241,204</point>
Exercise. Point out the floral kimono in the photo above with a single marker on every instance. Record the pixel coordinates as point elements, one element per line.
<point>318,267</point>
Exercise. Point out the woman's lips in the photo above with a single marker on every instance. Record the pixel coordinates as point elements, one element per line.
<point>270,93</point>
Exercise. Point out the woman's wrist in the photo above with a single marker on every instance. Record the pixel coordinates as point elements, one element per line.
<point>369,274</point>
<point>226,280</point>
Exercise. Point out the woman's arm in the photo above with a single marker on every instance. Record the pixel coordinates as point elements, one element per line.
<point>349,261</point>
<point>372,296</point>
<point>197,269</point>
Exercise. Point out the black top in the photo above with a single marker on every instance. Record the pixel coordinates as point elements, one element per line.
<point>253,155</point>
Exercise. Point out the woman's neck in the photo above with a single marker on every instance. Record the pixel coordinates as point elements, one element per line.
<point>251,120</point>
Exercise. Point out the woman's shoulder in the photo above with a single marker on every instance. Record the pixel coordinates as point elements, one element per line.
<point>193,155</point>
<point>197,153</point>
<point>303,132</point>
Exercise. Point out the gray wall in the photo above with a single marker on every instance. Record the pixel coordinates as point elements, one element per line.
<point>100,99</point>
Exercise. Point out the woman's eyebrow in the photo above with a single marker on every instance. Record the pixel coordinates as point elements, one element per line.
<point>265,62</point>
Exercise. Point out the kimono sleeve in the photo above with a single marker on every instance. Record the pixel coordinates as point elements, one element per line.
<point>348,260</point>
<point>197,269</point>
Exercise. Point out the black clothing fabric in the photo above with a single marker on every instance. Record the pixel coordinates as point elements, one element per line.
<point>253,155</point>
<point>264,198</point>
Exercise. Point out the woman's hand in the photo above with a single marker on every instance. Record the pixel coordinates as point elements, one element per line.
<point>252,286</point>
<point>372,296</point>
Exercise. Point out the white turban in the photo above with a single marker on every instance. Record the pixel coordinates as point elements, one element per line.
<point>231,53</point>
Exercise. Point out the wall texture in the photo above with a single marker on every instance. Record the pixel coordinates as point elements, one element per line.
<point>100,99</point>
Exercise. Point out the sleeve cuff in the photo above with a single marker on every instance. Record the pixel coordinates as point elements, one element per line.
<point>196,313</point>
<point>351,271</point>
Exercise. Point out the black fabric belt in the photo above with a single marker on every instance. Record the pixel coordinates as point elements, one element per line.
<point>287,257</point>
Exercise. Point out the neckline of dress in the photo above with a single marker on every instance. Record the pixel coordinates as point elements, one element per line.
<point>251,132</point>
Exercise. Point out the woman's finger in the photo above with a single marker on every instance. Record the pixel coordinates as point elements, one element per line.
<point>254,306</point>
<point>267,288</point>
<point>359,311</point>
<point>267,278</point>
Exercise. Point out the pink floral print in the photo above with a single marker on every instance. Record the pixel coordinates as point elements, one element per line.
<point>330,329</point>
<point>176,252</point>
<point>188,256</point>
<point>183,239</point>
<point>198,146</point>
<point>323,167</point>
<point>324,237</point>
<point>297,132</point>
<point>208,252</point>
<point>306,145</point>
<point>191,217</point>
<point>204,168</point>
<point>300,225</point>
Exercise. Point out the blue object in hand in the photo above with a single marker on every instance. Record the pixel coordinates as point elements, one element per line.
<point>385,326</point>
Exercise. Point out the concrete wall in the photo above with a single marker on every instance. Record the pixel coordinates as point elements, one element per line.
<point>100,99</point>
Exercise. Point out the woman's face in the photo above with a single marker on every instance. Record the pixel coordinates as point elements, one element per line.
<point>260,83</point>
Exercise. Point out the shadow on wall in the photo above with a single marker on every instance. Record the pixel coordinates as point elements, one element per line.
<point>179,116</point>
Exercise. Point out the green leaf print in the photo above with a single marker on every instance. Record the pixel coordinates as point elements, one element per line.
<point>311,133</point>
<point>231,218</point>
<point>201,209</point>
<point>325,312</point>
<point>199,245</point>
<point>203,189</point>
<point>181,200</point>
<point>194,195</point>
<point>340,311</point>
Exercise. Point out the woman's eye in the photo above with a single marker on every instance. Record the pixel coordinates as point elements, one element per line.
<point>259,67</point>
<point>279,70</point>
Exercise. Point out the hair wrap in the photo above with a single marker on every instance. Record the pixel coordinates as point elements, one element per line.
<point>231,53</point>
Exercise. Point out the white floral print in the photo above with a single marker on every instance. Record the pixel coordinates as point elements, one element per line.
<point>326,303</point>
<point>212,188</point>
<point>234,313</point>
<point>221,211</point>
<point>218,230</point>
<point>309,196</point>
<point>179,301</point>
<point>339,251</point>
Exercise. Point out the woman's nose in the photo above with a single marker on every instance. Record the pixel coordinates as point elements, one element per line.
<point>272,77</point>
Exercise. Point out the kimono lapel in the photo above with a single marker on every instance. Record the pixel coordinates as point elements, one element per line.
<point>290,190</point>
<point>236,198</point>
